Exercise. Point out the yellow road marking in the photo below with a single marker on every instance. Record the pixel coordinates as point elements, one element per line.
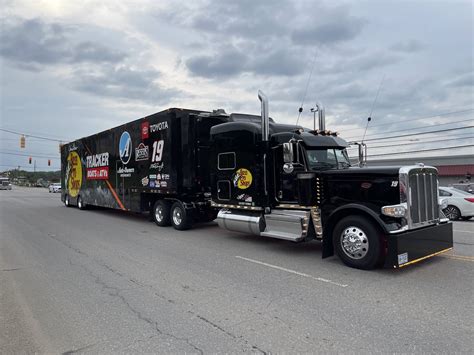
<point>458,257</point>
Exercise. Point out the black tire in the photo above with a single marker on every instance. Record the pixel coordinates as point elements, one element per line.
<point>161,213</point>
<point>80,203</point>
<point>357,242</point>
<point>452,212</point>
<point>466,218</point>
<point>67,201</point>
<point>181,218</point>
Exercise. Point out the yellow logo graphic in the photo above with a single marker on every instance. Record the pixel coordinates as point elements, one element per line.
<point>243,179</point>
<point>73,174</point>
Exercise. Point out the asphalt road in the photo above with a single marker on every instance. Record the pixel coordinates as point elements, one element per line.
<point>101,281</point>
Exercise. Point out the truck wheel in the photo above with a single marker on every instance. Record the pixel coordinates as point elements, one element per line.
<point>80,203</point>
<point>181,219</point>
<point>357,243</point>
<point>161,213</point>
<point>67,202</point>
<point>452,212</point>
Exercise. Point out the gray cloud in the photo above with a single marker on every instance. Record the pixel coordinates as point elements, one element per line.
<point>409,46</point>
<point>121,82</point>
<point>32,43</point>
<point>331,26</point>
<point>230,61</point>
<point>466,80</point>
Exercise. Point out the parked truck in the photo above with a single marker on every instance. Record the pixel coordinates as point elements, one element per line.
<point>259,177</point>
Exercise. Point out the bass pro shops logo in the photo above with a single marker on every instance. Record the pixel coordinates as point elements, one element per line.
<point>73,178</point>
<point>242,179</point>
<point>125,147</point>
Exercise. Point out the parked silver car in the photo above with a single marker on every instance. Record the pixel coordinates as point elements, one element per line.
<point>460,203</point>
<point>56,187</point>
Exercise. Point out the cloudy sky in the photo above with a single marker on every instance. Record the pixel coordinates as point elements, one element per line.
<point>73,68</point>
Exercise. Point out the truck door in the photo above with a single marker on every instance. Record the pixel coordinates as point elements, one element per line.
<point>286,190</point>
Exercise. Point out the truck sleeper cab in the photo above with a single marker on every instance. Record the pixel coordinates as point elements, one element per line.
<point>290,183</point>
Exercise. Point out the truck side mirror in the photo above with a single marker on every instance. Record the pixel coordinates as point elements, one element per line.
<point>290,152</point>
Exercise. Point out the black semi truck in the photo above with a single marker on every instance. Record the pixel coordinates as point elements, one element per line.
<point>259,177</point>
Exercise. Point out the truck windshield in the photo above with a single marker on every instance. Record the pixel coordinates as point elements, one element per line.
<point>327,159</point>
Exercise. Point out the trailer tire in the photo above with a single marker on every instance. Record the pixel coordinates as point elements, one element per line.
<point>181,218</point>
<point>357,242</point>
<point>67,201</point>
<point>161,213</point>
<point>80,203</point>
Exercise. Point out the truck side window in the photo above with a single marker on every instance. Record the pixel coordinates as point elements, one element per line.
<point>226,161</point>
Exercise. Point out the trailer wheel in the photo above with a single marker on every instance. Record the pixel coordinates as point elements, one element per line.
<point>181,219</point>
<point>67,202</point>
<point>80,203</point>
<point>161,213</point>
<point>357,242</point>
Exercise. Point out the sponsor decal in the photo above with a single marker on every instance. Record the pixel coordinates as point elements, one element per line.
<point>152,184</point>
<point>163,184</point>
<point>141,152</point>
<point>242,179</point>
<point>160,126</point>
<point>244,197</point>
<point>125,147</point>
<point>366,185</point>
<point>73,147</point>
<point>145,181</point>
<point>157,166</point>
<point>145,129</point>
<point>394,183</point>
<point>73,179</point>
<point>153,176</point>
<point>125,172</point>
<point>97,166</point>
<point>157,151</point>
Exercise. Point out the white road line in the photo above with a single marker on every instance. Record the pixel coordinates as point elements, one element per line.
<point>291,271</point>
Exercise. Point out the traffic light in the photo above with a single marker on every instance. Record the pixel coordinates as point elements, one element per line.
<point>29,160</point>
<point>22,141</point>
<point>49,162</point>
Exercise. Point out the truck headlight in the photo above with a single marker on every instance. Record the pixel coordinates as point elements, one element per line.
<point>443,203</point>
<point>394,210</point>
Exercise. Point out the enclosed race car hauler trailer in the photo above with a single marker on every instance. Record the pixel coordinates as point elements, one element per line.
<point>263,178</point>
<point>158,163</point>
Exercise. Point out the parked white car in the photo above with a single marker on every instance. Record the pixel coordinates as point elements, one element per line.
<point>56,187</point>
<point>460,203</point>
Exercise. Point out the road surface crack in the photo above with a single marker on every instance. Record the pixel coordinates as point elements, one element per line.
<point>115,292</point>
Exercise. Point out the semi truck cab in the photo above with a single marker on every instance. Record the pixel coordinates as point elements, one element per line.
<point>288,182</point>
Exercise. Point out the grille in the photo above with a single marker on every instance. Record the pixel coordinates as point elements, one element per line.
<point>423,196</point>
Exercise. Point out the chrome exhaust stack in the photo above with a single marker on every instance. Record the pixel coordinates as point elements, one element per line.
<point>321,117</point>
<point>264,112</point>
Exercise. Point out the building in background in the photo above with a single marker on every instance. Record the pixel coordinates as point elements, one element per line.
<point>454,171</point>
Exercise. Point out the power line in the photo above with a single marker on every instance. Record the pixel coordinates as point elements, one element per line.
<point>411,129</point>
<point>423,150</point>
<point>408,140</point>
<point>417,119</point>
<point>30,155</point>
<point>414,143</point>
<point>33,135</point>
<point>420,133</point>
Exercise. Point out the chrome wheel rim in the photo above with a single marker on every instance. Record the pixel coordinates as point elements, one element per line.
<point>66,201</point>
<point>177,216</point>
<point>451,212</point>
<point>79,202</point>
<point>354,242</point>
<point>159,213</point>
